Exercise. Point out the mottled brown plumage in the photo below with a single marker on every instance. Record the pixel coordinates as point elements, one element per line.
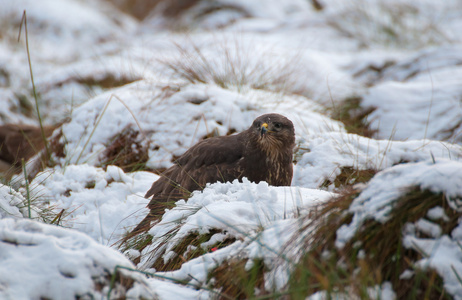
<point>261,153</point>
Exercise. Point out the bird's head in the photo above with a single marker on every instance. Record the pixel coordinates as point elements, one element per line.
<point>274,130</point>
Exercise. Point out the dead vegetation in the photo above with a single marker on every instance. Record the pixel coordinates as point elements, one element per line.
<point>127,150</point>
<point>18,144</point>
<point>140,9</point>
<point>353,116</point>
<point>235,68</point>
<point>374,255</point>
<point>401,25</point>
<point>192,246</point>
<point>348,177</point>
<point>236,281</point>
<point>107,81</point>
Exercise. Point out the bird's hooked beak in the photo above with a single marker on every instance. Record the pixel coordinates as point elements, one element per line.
<point>264,129</point>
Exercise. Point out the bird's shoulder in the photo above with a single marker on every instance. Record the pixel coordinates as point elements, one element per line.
<point>216,150</point>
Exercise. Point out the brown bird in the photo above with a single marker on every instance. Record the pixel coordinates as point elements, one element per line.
<point>261,153</point>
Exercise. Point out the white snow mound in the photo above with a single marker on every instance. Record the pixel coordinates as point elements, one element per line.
<point>50,262</point>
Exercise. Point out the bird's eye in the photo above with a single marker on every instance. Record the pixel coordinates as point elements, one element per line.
<point>277,126</point>
<point>257,124</point>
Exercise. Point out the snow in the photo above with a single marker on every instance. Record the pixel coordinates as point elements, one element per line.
<point>101,73</point>
<point>103,204</point>
<point>240,210</point>
<point>168,290</point>
<point>254,205</point>
<point>443,255</point>
<point>377,199</point>
<point>52,28</point>
<point>383,292</point>
<point>441,252</point>
<point>437,213</point>
<point>321,156</point>
<point>9,202</point>
<point>429,228</point>
<point>432,99</point>
<point>70,258</point>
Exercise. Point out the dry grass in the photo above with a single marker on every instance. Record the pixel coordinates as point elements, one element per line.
<point>127,151</point>
<point>232,65</point>
<point>235,281</point>
<point>20,143</point>
<point>140,9</point>
<point>355,118</point>
<point>400,25</point>
<point>374,255</point>
<point>108,81</point>
<point>348,177</point>
<point>189,248</point>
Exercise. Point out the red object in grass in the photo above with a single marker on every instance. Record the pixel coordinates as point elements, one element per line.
<point>214,249</point>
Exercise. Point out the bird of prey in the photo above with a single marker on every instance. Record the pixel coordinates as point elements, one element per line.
<point>261,153</point>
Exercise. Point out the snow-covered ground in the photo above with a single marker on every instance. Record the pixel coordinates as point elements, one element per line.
<point>171,80</point>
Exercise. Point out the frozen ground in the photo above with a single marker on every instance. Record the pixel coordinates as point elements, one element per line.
<point>170,81</point>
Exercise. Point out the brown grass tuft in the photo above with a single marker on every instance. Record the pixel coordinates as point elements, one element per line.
<point>140,9</point>
<point>126,151</point>
<point>235,281</point>
<point>350,176</point>
<point>234,68</point>
<point>190,248</point>
<point>22,142</point>
<point>374,255</point>
<point>106,82</point>
<point>350,113</point>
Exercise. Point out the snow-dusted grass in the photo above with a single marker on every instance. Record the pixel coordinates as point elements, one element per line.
<point>322,157</point>
<point>104,204</point>
<point>425,89</point>
<point>393,24</point>
<point>234,66</point>
<point>228,211</point>
<point>384,233</point>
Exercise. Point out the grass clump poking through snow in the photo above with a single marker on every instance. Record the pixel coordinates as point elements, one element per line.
<point>375,254</point>
<point>350,176</point>
<point>169,251</point>
<point>232,65</point>
<point>350,113</point>
<point>402,24</point>
<point>315,271</point>
<point>229,237</point>
<point>235,280</point>
<point>106,81</point>
<point>192,246</point>
<point>126,151</point>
